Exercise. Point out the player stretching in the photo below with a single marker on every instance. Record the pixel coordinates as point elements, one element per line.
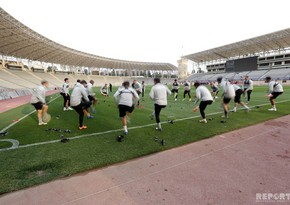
<point>186,90</point>
<point>228,94</point>
<point>175,87</point>
<point>80,102</point>
<point>159,93</point>
<point>138,87</point>
<point>248,86</point>
<point>215,90</point>
<point>275,89</point>
<point>65,94</point>
<point>91,95</point>
<point>124,98</point>
<point>105,91</point>
<point>143,89</point>
<point>239,92</point>
<point>38,101</point>
<point>203,94</point>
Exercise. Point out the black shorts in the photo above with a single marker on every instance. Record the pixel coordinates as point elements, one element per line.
<point>123,109</point>
<point>275,95</point>
<point>238,96</point>
<point>91,98</point>
<point>38,105</point>
<point>226,100</point>
<point>174,90</point>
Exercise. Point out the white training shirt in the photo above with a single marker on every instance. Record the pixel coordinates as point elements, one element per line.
<point>248,85</point>
<point>228,89</point>
<point>137,86</point>
<point>186,86</point>
<point>38,94</point>
<point>79,92</point>
<point>126,96</point>
<point>202,93</point>
<point>175,86</point>
<point>236,87</point>
<point>65,88</point>
<point>275,87</point>
<point>159,93</point>
<point>89,89</point>
<point>104,89</point>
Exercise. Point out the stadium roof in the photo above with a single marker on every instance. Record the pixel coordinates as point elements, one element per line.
<point>276,41</point>
<point>19,41</point>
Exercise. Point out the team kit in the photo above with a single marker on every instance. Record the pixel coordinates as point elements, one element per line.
<point>83,100</point>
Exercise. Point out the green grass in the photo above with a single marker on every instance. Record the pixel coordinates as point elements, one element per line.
<point>33,165</point>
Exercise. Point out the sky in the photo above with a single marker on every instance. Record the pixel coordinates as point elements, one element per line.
<point>149,30</point>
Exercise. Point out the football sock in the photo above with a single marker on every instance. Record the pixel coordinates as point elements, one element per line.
<point>125,128</point>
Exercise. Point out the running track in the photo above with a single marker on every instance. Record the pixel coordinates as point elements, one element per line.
<point>9,104</point>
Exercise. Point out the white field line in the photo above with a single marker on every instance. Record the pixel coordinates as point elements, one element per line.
<point>118,130</point>
<point>22,118</point>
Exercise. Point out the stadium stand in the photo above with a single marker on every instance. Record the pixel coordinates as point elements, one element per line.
<point>257,75</point>
<point>278,74</point>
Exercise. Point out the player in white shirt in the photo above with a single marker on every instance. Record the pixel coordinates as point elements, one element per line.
<point>275,89</point>
<point>228,94</point>
<point>238,93</point>
<point>91,95</point>
<point>38,101</point>
<point>65,94</point>
<point>186,90</point>
<point>175,88</point>
<point>80,102</point>
<point>124,98</point>
<point>138,87</point>
<point>159,93</point>
<point>248,86</point>
<point>215,90</point>
<point>203,95</point>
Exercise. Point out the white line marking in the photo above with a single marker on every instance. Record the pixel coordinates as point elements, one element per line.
<point>25,116</point>
<point>15,144</point>
<point>118,130</point>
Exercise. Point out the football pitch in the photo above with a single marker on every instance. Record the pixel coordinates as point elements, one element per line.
<point>41,157</point>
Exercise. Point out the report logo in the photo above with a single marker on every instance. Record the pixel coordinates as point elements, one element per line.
<point>272,197</point>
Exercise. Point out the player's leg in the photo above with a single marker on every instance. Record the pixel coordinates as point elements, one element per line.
<point>184,94</point>
<point>202,107</point>
<point>249,92</point>
<point>68,107</point>
<point>157,116</point>
<point>226,102</point>
<point>85,106</point>
<point>189,95</point>
<point>122,115</point>
<point>39,108</point>
<point>237,99</point>
<point>64,101</point>
<point>272,100</point>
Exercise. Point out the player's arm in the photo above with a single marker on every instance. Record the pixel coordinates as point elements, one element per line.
<point>116,96</point>
<point>85,95</point>
<point>151,94</point>
<point>271,87</point>
<point>197,96</point>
